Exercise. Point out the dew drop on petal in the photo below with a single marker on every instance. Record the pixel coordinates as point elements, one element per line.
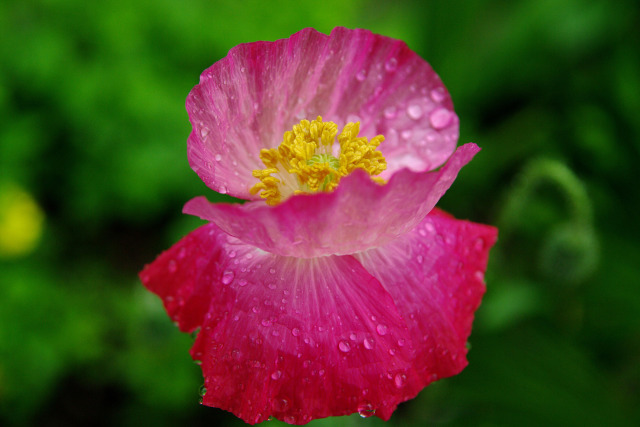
<point>295,332</point>
<point>438,94</point>
<point>405,134</point>
<point>352,337</point>
<point>242,282</point>
<point>362,74</point>
<point>401,342</point>
<point>204,132</point>
<point>290,419</point>
<point>266,322</point>
<point>440,118</point>
<point>344,346</point>
<point>390,112</point>
<point>381,329</point>
<point>218,157</point>
<point>399,379</point>
<point>414,111</point>
<point>369,343</point>
<point>276,375</point>
<point>203,390</point>
<point>222,189</point>
<point>366,410</point>
<point>227,277</point>
<point>391,65</point>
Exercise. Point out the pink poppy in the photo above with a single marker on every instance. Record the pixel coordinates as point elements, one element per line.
<point>337,288</point>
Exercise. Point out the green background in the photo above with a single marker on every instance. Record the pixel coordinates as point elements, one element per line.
<point>93,127</point>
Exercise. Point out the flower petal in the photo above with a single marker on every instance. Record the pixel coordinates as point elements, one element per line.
<point>247,100</point>
<point>436,277</point>
<point>359,215</point>
<point>294,338</point>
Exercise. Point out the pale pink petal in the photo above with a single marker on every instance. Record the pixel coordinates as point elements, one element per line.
<point>247,100</point>
<point>359,215</point>
<point>298,339</point>
<point>436,277</point>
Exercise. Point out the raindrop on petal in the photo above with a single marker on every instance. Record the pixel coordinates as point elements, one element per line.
<point>414,111</point>
<point>440,118</point>
<point>382,329</point>
<point>391,65</point>
<point>344,346</point>
<point>399,379</point>
<point>227,277</point>
<point>369,343</point>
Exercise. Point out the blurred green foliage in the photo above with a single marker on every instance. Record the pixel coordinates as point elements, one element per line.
<point>94,128</point>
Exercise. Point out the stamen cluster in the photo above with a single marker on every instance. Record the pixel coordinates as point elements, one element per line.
<point>305,162</point>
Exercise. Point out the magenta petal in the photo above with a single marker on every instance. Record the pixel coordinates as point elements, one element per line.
<point>295,338</point>
<point>359,215</point>
<point>247,100</point>
<point>435,275</point>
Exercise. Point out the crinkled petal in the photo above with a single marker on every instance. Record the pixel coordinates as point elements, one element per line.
<point>247,100</point>
<point>435,275</point>
<point>359,215</point>
<point>295,338</point>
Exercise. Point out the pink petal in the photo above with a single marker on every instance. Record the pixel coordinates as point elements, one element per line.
<point>359,215</point>
<point>247,100</point>
<point>294,338</point>
<point>436,277</point>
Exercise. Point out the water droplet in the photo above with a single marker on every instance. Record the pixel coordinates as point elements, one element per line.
<point>399,379</point>
<point>401,342</point>
<point>227,277</point>
<point>422,232</point>
<point>218,157</point>
<point>172,266</point>
<point>390,112</point>
<point>242,282</point>
<point>391,65</point>
<point>295,332</point>
<point>479,244</point>
<point>369,343</point>
<point>440,118</point>
<point>438,94</point>
<point>276,375</point>
<point>392,352</point>
<point>382,329</point>
<point>405,134</point>
<point>352,337</point>
<point>420,259</point>
<point>204,132</point>
<point>222,189</point>
<point>344,346</point>
<point>290,419</point>
<point>203,390</point>
<point>414,111</point>
<point>362,74</point>
<point>366,410</point>
<point>479,275</point>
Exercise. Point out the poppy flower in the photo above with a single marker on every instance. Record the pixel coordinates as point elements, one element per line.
<point>337,287</point>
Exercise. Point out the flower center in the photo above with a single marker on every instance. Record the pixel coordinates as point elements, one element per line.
<point>305,161</point>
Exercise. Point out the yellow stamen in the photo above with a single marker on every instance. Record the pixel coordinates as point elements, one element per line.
<point>304,161</point>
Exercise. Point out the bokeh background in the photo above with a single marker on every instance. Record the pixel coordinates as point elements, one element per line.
<point>93,176</point>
